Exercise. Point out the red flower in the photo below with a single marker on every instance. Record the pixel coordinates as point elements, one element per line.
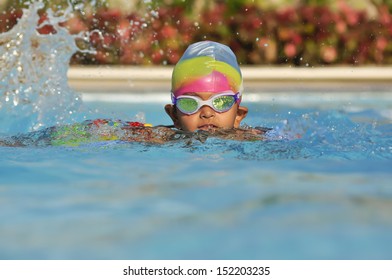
<point>157,56</point>
<point>169,31</point>
<point>47,28</point>
<point>328,54</point>
<point>381,43</point>
<point>75,25</point>
<point>290,50</point>
<point>341,27</point>
<point>124,30</point>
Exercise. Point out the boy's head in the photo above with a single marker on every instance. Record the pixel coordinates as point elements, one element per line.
<point>206,89</point>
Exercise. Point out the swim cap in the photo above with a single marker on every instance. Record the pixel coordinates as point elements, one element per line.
<point>207,67</point>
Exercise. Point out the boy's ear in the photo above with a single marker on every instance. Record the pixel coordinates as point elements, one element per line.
<point>241,114</point>
<point>172,112</point>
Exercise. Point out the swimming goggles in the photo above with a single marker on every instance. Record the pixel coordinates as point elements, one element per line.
<point>220,103</point>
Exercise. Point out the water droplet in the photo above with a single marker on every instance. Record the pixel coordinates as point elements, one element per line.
<point>155,14</point>
<point>16,101</point>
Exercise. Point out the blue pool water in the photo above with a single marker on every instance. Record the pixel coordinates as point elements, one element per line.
<point>325,195</point>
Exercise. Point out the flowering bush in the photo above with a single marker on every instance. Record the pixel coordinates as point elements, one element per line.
<point>303,35</point>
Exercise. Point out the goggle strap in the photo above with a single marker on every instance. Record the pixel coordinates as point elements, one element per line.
<point>173,98</point>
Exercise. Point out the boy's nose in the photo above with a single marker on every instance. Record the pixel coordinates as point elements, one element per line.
<point>206,112</point>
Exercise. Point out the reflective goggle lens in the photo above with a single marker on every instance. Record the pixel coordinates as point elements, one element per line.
<point>223,103</point>
<point>187,105</point>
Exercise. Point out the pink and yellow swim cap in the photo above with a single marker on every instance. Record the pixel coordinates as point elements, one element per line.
<point>207,67</point>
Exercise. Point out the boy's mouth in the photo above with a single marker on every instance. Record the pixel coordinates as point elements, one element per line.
<point>208,127</point>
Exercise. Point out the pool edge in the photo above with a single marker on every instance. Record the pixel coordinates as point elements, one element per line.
<point>157,78</point>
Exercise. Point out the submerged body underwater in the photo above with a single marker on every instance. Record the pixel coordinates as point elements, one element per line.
<point>101,130</point>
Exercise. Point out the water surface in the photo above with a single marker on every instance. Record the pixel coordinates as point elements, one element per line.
<point>325,195</point>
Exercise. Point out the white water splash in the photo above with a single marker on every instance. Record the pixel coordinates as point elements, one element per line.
<point>34,90</point>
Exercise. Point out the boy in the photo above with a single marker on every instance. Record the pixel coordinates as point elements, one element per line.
<point>206,89</point>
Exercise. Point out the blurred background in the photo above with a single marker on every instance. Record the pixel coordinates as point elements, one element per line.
<point>300,33</point>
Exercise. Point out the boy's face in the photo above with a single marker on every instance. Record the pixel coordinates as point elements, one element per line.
<point>206,118</point>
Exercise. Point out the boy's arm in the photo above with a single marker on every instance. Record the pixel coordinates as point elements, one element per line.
<point>158,134</point>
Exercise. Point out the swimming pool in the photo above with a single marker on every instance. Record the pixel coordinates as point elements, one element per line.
<point>318,188</point>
